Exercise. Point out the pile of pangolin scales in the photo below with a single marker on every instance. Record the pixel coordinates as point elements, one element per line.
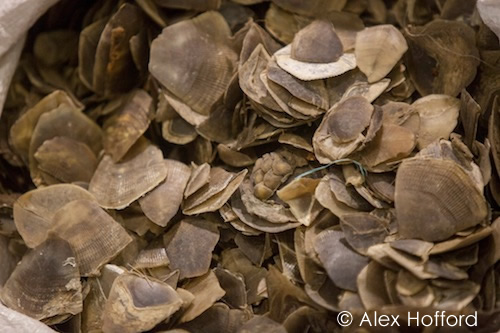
<point>251,165</point>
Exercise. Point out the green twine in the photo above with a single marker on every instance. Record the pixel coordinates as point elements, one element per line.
<point>358,165</point>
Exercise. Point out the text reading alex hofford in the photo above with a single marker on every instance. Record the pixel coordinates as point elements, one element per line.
<point>440,318</point>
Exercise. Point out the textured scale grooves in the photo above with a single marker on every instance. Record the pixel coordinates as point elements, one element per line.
<point>151,258</point>
<point>116,186</point>
<point>93,234</point>
<point>211,81</point>
<point>38,286</point>
<point>106,244</point>
<point>198,63</point>
<point>436,198</point>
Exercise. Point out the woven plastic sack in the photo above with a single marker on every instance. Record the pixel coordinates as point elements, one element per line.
<point>16,17</point>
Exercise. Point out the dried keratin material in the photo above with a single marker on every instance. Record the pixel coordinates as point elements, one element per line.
<point>250,165</point>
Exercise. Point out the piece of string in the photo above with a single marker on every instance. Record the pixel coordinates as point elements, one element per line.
<point>358,165</point>
<point>140,274</point>
<point>102,290</point>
